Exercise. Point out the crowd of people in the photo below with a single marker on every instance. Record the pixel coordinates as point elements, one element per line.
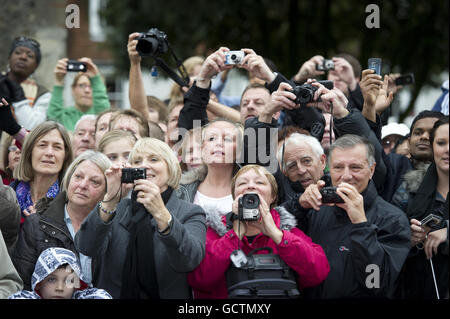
<point>147,202</point>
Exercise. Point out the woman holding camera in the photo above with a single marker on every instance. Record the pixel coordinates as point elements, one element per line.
<point>274,228</point>
<point>145,246</point>
<point>88,91</point>
<point>429,242</point>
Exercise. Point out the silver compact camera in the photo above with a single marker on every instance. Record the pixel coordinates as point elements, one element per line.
<point>234,57</point>
<point>325,66</point>
<point>248,207</point>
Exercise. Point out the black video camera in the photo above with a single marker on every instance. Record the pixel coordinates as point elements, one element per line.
<point>129,175</point>
<point>305,93</point>
<point>248,207</point>
<point>151,43</point>
<point>329,195</point>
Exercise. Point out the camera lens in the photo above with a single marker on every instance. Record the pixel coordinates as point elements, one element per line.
<point>233,57</point>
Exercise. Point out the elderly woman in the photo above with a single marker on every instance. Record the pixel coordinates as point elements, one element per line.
<point>153,239</point>
<point>275,228</point>
<point>46,154</point>
<point>57,220</point>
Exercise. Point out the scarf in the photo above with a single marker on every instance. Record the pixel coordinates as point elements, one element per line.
<point>23,192</point>
<point>139,274</point>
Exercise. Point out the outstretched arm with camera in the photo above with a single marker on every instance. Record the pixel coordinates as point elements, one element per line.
<point>136,93</point>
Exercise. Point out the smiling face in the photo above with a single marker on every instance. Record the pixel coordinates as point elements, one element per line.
<point>47,157</point>
<point>350,165</point>
<point>219,143</point>
<point>87,185</point>
<point>440,149</point>
<point>156,168</point>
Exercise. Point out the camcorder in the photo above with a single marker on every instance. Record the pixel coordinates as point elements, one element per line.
<point>76,66</point>
<point>375,64</point>
<point>248,207</point>
<point>129,175</point>
<point>234,57</point>
<point>326,65</point>
<point>151,43</point>
<point>405,79</point>
<point>305,93</point>
<point>329,195</point>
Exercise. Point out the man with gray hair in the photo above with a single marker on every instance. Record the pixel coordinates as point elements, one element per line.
<point>84,134</point>
<point>366,239</point>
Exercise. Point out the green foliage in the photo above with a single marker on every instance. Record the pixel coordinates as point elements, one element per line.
<point>413,35</point>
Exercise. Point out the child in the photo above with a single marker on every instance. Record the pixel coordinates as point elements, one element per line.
<point>57,275</point>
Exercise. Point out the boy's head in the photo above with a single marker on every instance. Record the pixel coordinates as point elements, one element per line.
<point>56,274</point>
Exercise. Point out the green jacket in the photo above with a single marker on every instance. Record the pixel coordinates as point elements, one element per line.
<point>68,116</point>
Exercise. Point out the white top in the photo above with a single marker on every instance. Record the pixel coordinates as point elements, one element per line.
<point>222,204</point>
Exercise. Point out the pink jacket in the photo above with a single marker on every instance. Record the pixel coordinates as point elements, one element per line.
<point>306,258</point>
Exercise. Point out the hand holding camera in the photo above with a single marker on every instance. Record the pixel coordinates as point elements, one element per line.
<point>345,72</point>
<point>310,69</point>
<point>370,86</point>
<point>213,64</point>
<point>256,65</point>
<point>133,54</point>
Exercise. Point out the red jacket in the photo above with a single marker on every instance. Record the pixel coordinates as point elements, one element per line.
<point>306,258</point>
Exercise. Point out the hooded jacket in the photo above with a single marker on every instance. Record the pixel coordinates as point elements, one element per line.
<point>306,258</point>
<point>49,261</point>
<point>365,258</point>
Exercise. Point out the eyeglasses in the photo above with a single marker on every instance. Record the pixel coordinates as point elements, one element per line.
<point>13,149</point>
<point>84,86</point>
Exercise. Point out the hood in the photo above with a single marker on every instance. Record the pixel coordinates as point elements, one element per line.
<point>215,220</point>
<point>50,260</point>
<point>195,174</point>
<point>414,178</point>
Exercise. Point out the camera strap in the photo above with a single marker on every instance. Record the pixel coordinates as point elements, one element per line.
<point>181,81</point>
<point>434,278</point>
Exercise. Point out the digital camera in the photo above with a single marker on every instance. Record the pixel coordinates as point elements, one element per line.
<point>234,57</point>
<point>326,65</point>
<point>153,42</point>
<point>248,207</point>
<point>431,220</point>
<point>129,175</point>
<point>76,66</point>
<point>329,195</point>
<point>305,93</point>
<point>405,79</point>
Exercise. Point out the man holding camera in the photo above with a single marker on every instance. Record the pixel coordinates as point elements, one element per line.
<point>365,238</point>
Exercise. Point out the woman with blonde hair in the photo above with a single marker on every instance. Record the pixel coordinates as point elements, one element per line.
<point>153,239</point>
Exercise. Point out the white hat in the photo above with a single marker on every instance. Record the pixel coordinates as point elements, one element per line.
<point>394,129</point>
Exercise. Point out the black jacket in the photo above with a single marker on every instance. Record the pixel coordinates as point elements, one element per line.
<point>353,249</point>
<point>40,231</point>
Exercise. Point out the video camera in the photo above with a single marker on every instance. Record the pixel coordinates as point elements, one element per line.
<point>248,207</point>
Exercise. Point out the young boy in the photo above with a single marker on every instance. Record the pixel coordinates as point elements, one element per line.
<point>57,275</point>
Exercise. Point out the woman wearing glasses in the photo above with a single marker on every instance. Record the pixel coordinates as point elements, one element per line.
<point>88,91</point>
<point>10,159</point>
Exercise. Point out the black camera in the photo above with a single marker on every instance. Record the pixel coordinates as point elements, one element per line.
<point>432,220</point>
<point>129,175</point>
<point>305,93</point>
<point>151,43</point>
<point>405,79</point>
<point>76,66</point>
<point>325,66</point>
<point>329,195</point>
<point>248,207</point>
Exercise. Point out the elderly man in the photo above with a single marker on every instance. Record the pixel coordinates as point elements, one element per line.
<point>84,134</point>
<point>365,238</point>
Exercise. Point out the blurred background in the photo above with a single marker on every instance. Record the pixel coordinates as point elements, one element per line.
<point>413,37</point>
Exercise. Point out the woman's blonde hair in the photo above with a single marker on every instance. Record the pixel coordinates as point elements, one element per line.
<point>262,171</point>
<point>113,136</point>
<point>157,147</point>
<point>189,64</point>
<point>24,170</point>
